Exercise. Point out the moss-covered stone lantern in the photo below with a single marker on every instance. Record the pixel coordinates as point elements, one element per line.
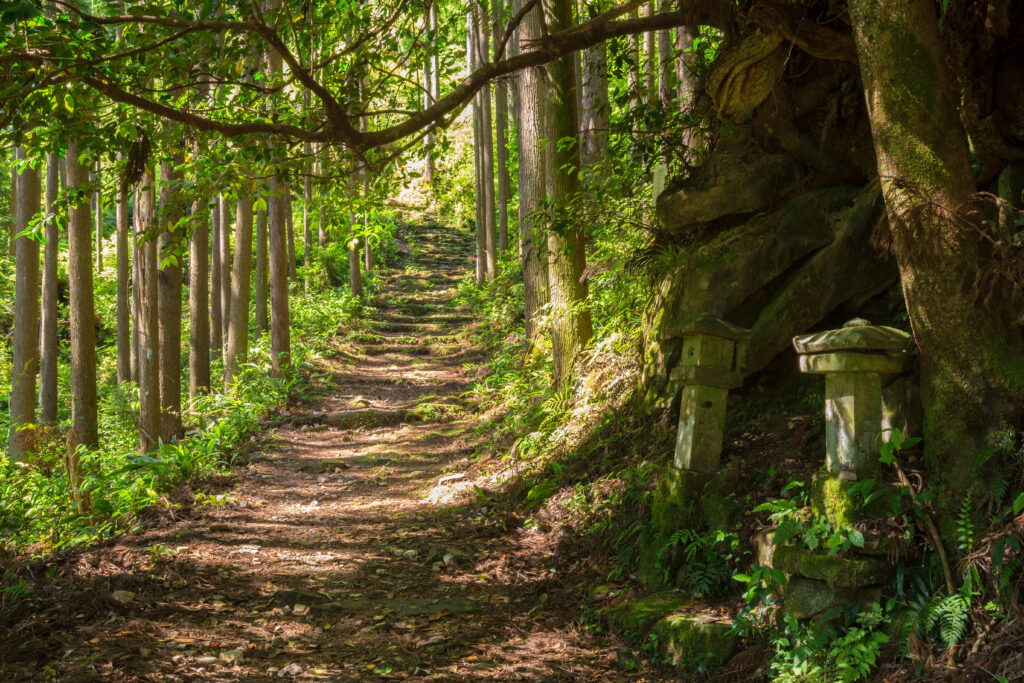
<point>713,359</point>
<point>853,359</point>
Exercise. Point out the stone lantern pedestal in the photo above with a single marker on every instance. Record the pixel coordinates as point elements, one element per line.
<point>853,360</point>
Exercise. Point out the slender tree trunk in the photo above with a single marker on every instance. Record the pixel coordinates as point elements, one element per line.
<point>428,90</point>
<point>486,144</point>
<point>262,273</point>
<point>571,325</point>
<point>149,319</point>
<point>686,84</point>
<point>170,301</point>
<point>48,346</point>
<point>533,173</point>
<point>367,250</point>
<point>280,323</point>
<point>633,82</point>
<point>199,302</point>
<point>25,346</point>
<point>666,86</point>
<point>355,279</point>
<point>225,262</point>
<point>124,274</point>
<point>84,418</point>
<point>98,198</point>
<point>971,358</point>
<point>136,298</point>
<point>479,199</point>
<point>238,329</point>
<point>596,108</point>
<point>14,202</point>
<point>320,226</point>
<point>307,228</point>
<point>216,312</point>
<point>501,134</point>
<point>290,220</point>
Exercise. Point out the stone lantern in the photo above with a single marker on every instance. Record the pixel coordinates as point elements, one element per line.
<point>853,359</point>
<point>713,359</point>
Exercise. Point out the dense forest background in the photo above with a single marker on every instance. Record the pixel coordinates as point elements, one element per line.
<point>204,205</point>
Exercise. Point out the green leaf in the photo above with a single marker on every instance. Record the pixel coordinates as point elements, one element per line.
<point>1018,505</point>
<point>742,578</point>
<point>856,538</point>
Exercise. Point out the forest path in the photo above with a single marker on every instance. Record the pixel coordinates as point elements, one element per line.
<point>336,554</point>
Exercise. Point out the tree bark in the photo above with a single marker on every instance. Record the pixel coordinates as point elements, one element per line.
<point>262,273</point>
<point>501,135</point>
<point>290,220</point>
<point>472,45</point>
<point>199,302</point>
<point>307,226</point>
<point>666,88</point>
<point>48,344</point>
<point>533,173</point>
<point>25,344</point>
<point>98,198</point>
<point>149,319</point>
<point>84,424</point>
<point>594,124</point>
<point>124,275</point>
<point>486,143</point>
<point>14,202</point>
<point>238,330</point>
<point>216,312</point>
<point>280,323</point>
<point>169,298</point>
<point>224,206</point>
<point>971,358</point>
<point>570,317</point>
<point>428,90</point>
<point>634,84</point>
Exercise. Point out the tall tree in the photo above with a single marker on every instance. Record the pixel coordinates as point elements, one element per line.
<point>148,314</point>
<point>98,214</point>
<point>84,420</point>
<point>25,345</point>
<point>533,112</point>
<point>430,26</point>
<point>570,316</point>
<point>971,358</point>
<point>216,312</point>
<point>596,109</point>
<point>486,142</point>
<point>290,221</point>
<point>666,86</point>
<point>478,184</point>
<point>48,343</point>
<point>199,300</point>
<point>169,297</point>
<point>224,206</point>
<point>238,328</point>
<point>260,282</point>
<point>501,132</point>
<point>280,320</point>
<point>124,351</point>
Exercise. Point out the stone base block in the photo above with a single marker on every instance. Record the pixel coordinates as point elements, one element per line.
<point>805,598</point>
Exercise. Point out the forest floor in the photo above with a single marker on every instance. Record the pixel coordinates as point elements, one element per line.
<point>344,549</point>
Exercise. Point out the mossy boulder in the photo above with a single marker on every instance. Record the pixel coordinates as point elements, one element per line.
<point>806,598</point>
<point>686,637</point>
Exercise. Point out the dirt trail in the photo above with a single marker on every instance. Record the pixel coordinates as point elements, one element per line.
<point>335,554</point>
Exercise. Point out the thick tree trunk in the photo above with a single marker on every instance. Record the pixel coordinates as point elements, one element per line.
<point>971,358</point>
<point>262,273</point>
<point>170,301</point>
<point>238,329</point>
<point>533,180</point>
<point>472,45</point>
<point>633,82</point>
<point>84,415</point>
<point>428,91</point>
<point>48,345</point>
<point>199,302</point>
<point>280,320</point>
<point>124,275</point>
<point>84,423</point>
<point>136,300</point>
<point>216,312</point>
<point>149,319</point>
<point>570,317</point>
<point>25,345</point>
<point>649,65</point>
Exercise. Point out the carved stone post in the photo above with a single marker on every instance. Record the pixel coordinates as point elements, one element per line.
<point>853,359</point>
<point>713,360</point>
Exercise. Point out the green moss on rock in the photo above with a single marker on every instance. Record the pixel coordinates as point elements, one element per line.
<point>836,571</point>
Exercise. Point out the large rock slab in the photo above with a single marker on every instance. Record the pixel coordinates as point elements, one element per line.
<point>736,184</point>
<point>764,272</point>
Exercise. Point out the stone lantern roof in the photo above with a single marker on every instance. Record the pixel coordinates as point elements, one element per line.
<point>856,335</point>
